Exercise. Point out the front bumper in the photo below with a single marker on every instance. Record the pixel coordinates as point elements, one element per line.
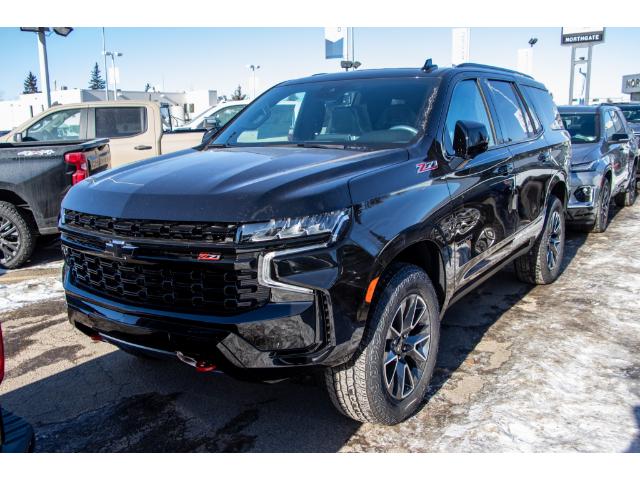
<point>16,435</point>
<point>583,195</point>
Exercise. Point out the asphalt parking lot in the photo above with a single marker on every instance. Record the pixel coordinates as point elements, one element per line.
<point>553,368</point>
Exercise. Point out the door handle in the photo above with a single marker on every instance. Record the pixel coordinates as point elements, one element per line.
<point>142,147</point>
<point>506,169</point>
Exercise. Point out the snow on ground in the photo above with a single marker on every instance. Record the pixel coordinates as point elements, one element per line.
<point>20,294</point>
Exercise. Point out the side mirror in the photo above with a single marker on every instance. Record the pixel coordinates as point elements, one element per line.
<point>209,134</point>
<point>211,123</point>
<point>17,137</point>
<point>619,137</point>
<point>470,139</point>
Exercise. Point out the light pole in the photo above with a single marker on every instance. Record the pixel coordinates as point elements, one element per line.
<point>253,69</point>
<point>113,56</point>
<point>106,70</point>
<point>42,55</point>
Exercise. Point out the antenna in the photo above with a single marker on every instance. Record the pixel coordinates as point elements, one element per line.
<point>429,65</point>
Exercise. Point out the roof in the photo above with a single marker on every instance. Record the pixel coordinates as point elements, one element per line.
<point>581,108</point>
<point>412,72</point>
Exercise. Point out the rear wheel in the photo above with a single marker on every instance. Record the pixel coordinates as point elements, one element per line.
<point>17,237</point>
<point>388,379</point>
<point>628,197</point>
<point>542,264</point>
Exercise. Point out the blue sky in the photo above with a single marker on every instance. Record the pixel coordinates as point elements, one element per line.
<point>215,58</point>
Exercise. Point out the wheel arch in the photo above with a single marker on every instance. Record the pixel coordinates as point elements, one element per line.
<point>21,204</point>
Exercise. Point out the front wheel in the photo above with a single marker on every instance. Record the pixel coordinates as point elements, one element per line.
<point>542,264</point>
<point>387,380</point>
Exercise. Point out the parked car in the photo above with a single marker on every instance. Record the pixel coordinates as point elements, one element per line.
<point>134,128</point>
<point>214,117</point>
<point>631,111</point>
<point>333,238</point>
<point>34,177</point>
<point>604,164</point>
<point>16,435</point>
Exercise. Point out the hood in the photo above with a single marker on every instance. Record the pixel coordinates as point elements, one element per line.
<point>584,152</point>
<point>229,184</point>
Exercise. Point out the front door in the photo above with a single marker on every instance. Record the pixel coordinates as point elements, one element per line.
<point>481,189</point>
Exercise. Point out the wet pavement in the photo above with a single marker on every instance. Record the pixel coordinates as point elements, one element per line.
<point>553,368</point>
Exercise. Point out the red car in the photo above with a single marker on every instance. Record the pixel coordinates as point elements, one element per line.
<point>16,435</point>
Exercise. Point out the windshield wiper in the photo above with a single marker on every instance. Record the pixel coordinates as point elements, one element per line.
<point>332,146</point>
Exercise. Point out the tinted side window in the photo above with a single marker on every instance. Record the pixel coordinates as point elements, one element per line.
<point>617,122</point>
<point>544,107</point>
<point>609,124</point>
<point>513,118</point>
<point>466,104</point>
<point>114,122</point>
<point>62,125</point>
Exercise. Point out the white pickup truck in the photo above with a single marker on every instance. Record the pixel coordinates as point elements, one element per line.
<point>136,129</point>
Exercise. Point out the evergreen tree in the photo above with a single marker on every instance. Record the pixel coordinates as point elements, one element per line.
<point>30,84</point>
<point>95,81</point>
<point>238,95</point>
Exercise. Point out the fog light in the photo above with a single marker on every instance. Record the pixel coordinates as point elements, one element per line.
<point>583,194</point>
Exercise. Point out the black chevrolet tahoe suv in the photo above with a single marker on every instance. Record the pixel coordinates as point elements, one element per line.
<point>328,226</point>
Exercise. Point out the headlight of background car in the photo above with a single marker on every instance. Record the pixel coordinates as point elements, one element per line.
<point>301,227</point>
<point>584,167</point>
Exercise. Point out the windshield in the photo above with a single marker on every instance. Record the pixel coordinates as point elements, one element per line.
<point>632,114</point>
<point>581,126</point>
<point>360,112</point>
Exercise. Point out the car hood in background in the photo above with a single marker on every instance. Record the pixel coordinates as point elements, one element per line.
<point>584,152</point>
<point>228,184</point>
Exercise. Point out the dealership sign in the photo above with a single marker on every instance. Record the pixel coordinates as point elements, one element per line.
<point>581,35</point>
<point>334,42</point>
<point>631,83</point>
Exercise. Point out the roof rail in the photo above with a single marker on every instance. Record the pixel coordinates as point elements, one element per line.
<point>491,67</point>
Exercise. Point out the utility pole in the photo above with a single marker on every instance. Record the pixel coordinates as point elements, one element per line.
<point>42,55</point>
<point>106,70</point>
<point>44,66</point>
<point>113,56</point>
<point>253,69</point>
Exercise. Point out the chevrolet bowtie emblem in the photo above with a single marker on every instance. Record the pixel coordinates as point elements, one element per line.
<point>119,249</point>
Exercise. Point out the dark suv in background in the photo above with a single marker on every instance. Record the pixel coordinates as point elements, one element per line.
<point>604,164</point>
<point>328,226</point>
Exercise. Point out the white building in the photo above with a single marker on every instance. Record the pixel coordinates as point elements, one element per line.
<point>184,105</point>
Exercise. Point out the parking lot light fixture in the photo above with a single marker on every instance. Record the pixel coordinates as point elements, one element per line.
<point>253,69</point>
<point>113,56</point>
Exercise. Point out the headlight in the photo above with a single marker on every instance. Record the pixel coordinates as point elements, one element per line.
<point>584,167</point>
<point>310,226</point>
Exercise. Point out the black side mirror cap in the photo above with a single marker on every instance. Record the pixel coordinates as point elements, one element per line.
<point>619,137</point>
<point>209,134</point>
<point>470,139</point>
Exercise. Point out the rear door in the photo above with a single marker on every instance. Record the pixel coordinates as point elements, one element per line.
<point>131,132</point>
<point>618,152</point>
<point>532,157</point>
<point>481,189</point>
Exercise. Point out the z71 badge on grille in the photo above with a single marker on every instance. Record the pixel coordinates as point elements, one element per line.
<point>209,257</point>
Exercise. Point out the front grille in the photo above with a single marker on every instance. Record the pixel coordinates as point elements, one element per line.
<point>221,289</point>
<point>188,231</point>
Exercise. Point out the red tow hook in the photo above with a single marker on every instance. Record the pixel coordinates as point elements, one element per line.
<point>96,338</point>
<point>201,366</point>
<point>204,367</point>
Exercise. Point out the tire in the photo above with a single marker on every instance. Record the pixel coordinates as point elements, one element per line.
<point>369,388</point>
<point>536,267</point>
<point>17,236</point>
<point>602,214</point>
<point>628,197</point>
